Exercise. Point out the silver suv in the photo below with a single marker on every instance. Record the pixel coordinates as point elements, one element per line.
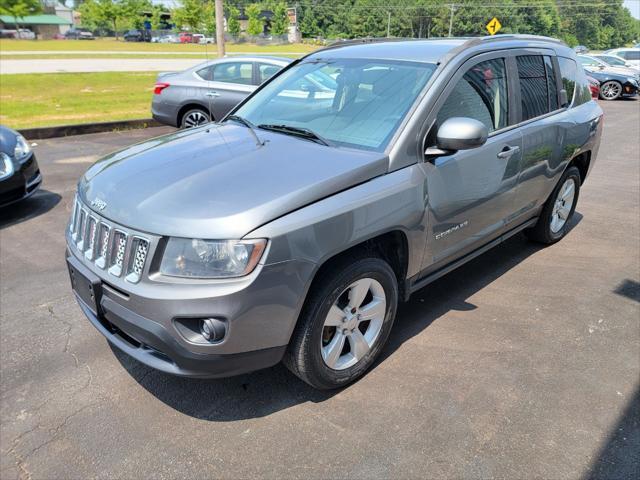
<point>291,229</point>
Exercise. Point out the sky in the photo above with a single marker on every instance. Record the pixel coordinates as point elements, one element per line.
<point>633,6</point>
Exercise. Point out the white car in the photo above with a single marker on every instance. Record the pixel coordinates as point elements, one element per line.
<point>630,55</point>
<point>616,61</point>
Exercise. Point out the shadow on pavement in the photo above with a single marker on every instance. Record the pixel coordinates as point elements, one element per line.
<point>619,457</point>
<point>264,392</point>
<point>41,202</point>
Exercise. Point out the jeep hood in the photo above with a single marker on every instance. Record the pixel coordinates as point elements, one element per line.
<point>217,182</point>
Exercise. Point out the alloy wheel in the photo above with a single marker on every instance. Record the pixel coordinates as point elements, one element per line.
<point>353,324</point>
<point>195,118</point>
<point>610,90</point>
<point>563,205</point>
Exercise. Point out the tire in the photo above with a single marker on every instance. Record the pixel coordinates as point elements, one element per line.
<point>551,226</point>
<point>610,90</point>
<point>194,117</point>
<point>314,344</point>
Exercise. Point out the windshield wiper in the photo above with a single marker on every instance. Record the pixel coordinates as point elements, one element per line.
<point>297,131</point>
<point>249,125</point>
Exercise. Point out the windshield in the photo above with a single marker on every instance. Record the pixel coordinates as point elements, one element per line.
<point>357,103</point>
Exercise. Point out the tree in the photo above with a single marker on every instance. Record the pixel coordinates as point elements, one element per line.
<point>115,14</point>
<point>156,17</point>
<point>280,20</point>
<point>256,24</point>
<point>19,9</point>
<point>233,24</point>
<point>209,18</point>
<point>189,15</point>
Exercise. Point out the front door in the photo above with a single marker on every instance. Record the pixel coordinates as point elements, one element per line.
<point>471,192</point>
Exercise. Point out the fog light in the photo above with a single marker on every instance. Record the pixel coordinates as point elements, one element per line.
<point>212,329</point>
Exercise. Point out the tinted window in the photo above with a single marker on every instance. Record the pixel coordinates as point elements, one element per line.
<point>266,71</point>
<point>568,71</point>
<point>233,72</point>
<point>205,73</point>
<point>632,55</point>
<point>552,86</point>
<point>533,86</point>
<point>481,94</point>
<point>583,92</point>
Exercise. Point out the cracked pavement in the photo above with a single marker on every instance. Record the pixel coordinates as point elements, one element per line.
<point>527,360</point>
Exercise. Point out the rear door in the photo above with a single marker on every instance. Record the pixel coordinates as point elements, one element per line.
<point>471,192</point>
<point>225,85</point>
<point>546,126</point>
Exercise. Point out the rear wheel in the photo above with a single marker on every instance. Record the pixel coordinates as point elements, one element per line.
<point>345,323</point>
<point>610,90</point>
<point>194,118</point>
<point>553,223</point>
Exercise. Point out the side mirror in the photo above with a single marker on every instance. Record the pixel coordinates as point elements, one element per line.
<point>459,133</point>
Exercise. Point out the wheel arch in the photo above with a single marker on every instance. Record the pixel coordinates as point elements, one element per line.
<point>582,162</point>
<point>189,106</point>
<point>391,246</point>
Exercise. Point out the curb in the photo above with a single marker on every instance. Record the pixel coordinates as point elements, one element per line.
<point>84,128</point>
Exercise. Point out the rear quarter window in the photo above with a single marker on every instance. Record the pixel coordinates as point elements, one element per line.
<point>574,81</point>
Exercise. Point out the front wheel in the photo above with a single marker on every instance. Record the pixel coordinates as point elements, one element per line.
<point>610,90</point>
<point>345,323</point>
<point>554,220</point>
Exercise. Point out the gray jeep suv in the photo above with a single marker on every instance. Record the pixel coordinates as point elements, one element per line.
<point>291,229</point>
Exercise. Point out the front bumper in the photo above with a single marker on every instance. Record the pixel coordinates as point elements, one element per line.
<point>260,318</point>
<point>22,184</point>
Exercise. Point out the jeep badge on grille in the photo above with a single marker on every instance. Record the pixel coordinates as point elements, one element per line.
<point>98,204</point>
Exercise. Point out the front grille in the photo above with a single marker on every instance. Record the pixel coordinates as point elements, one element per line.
<point>118,249</point>
<point>107,245</point>
<point>136,260</point>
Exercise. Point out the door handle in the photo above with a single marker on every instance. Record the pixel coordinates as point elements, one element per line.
<point>212,94</point>
<point>508,152</point>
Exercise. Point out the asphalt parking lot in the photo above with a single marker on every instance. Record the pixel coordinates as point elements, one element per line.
<point>522,364</point>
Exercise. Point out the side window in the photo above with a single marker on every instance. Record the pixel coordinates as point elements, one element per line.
<point>534,90</point>
<point>568,71</point>
<point>632,55</point>
<point>551,83</point>
<point>480,94</point>
<point>266,71</point>
<point>233,72</point>
<point>583,92</point>
<point>205,73</point>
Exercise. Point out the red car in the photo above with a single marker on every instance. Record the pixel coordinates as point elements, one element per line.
<point>186,37</point>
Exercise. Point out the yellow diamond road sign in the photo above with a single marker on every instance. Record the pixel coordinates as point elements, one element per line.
<point>494,26</point>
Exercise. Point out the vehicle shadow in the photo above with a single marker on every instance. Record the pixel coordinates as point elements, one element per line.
<point>618,457</point>
<point>264,392</point>
<point>39,203</point>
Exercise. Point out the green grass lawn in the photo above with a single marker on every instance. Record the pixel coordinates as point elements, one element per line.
<point>111,45</point>
<point>38,100</point>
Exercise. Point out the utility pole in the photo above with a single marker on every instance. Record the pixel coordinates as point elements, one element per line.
<point>388,23</point>
<point>220,28</point>
<point>453,9</point>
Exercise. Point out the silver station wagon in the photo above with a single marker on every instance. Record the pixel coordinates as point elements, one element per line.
<point>291,229</point>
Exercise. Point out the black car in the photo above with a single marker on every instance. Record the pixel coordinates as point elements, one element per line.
<point>137,36</point>
<point>19,172</point>
<point>615,82</point>
<point>79,34</point>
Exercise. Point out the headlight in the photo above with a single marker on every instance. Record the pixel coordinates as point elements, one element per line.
<point>23,149</point>
<point>185,257</point>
